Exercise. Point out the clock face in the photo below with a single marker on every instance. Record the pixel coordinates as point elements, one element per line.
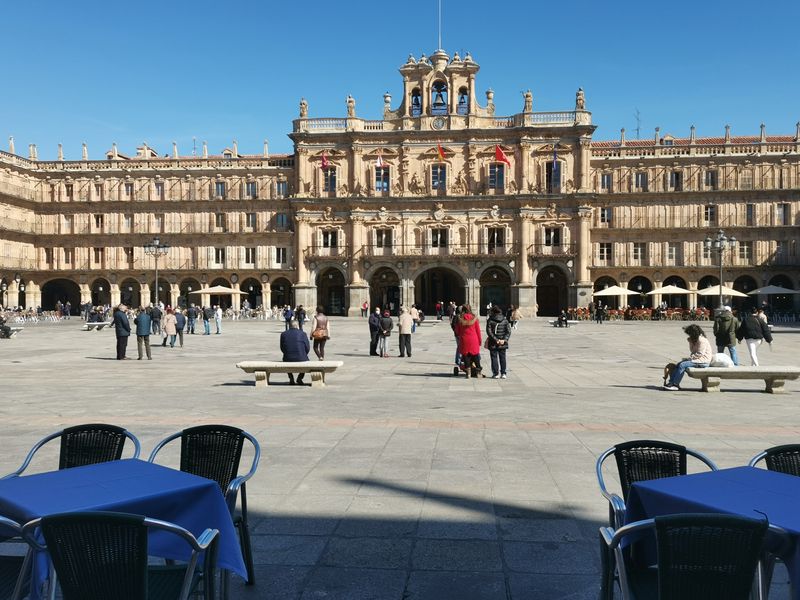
<point>438,122</point>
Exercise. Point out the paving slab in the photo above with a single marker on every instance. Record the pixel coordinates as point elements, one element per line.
<point>399,480</point>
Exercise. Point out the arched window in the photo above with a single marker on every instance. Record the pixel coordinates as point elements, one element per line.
<point>416,103</point>
<point>463,101</point>
<point>439,98</point>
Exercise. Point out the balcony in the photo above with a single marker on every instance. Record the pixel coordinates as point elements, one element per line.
<point>471,250</point>
<point>547,250</point>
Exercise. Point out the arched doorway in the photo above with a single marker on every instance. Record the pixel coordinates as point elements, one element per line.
<point>641,285</point>
<point>282,292</point>
<point>707,301</point>
<point>252,289</point>
<point>675,300</point>
<point>438,285</point>
<point>744,284</point>
<point>495,288</point>
<point>222,300</point>
<point>59,290</point>
<point>551,291</point>
<point>611,302</point>
<point>130,293</point>
<point>330,292</point>
<point>101,292</point>
<point>780,302</point>
<point>163,291</point>
<point>185,292</point>
<point>384,290</point>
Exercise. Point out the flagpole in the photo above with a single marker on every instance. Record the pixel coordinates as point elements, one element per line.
<point>440,25</point>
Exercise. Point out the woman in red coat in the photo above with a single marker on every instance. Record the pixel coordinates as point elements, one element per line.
<point>468,332</point>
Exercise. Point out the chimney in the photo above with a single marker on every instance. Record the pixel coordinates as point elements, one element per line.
<point>60,152</point>
<point>175,150</point>
<point>727,134</point>
<point>622,137</point>
<point>692,135</point>
<point>205,149</point>
<point>84,152</point>
<point>266,146</point>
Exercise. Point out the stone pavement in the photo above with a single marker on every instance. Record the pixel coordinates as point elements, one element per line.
<point>399,480</point>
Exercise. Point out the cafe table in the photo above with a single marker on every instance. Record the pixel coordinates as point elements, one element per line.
<point>129,486</point>
<point>744,491</point>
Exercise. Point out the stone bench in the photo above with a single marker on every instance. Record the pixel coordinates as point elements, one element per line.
<point>774,377</point>
<point>554,322</point>
<point>264,368</point>
<point>98,326</point>
<point>14,331</point>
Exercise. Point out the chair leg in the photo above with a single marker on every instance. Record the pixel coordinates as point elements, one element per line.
<point>247,550</point>
<point>607,568</point>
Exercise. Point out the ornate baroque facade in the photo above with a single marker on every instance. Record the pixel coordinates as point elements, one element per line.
<point>440,199</point>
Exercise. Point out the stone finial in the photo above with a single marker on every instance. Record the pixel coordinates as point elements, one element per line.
<point>303,108</point>
<point>656,138</point>
<point>60,152</point>
<point>411,60</point>
<point>32,151</point>
<point>490,96</point>
<point>266,149</point>
<point>235,149</point>
<point>763,133</point>
<point>468,57</point>
<point>205,149</point>
<point>797,132</point>
<point>351,106</point>
<point>114,151</point>
<point>387,101</point>
<point>622,137</point>
<point>11,149</point>
<point>84,152</point>
<point>727,134</point>
<point>456,57</point>
<point>528,102</point>
<point>175,150</point>
<point>692,134</point>
<point>580,100</point>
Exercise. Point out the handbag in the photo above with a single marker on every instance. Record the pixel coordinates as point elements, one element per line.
<point>319,334</point>
<point>486,342</point>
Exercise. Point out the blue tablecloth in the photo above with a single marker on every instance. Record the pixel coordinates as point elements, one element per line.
<point>132,486</point>
<point>745,491</point>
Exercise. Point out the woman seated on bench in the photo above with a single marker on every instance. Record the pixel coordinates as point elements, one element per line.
<point>700,356</point>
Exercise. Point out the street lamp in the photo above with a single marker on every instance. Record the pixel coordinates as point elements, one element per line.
<point>156,249</point>
<point>719,244</point>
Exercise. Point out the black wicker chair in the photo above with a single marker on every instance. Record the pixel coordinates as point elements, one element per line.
<point>102,555</point>
<point>214,452</point>
<point>784,459</point>
<point>637,460</point>
<point>86,445</point>
<point>14,568</point>
<point>699,557</point>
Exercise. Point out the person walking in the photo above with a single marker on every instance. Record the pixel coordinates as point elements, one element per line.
<point>725,326</point>
<point>320,332</point>
<point>599,313</point>
<point>386,325</point>
<point>414,312</point>
<point>122,328</point>
<point>468,332</point>
<point>191,315</point>
<point>208,314</point>
<point>516,316</point>
<point>753,331</point>
<point>700,355</point>
<point>218,319</point>
<point>405,327</point>
<point>180,324</point>
<point>453,322</point>
<point>288,315</point>
<point>143,324</point>
<point>365,309</point>
<point>374,323</point>
<point>498,331</point>
<point>155,317</point>
<point>295,347</point>
<point>300,316</point>
<point>170,328</point>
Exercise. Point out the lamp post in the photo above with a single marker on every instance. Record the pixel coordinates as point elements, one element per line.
<point>156,249</point>
<point>719,244</point>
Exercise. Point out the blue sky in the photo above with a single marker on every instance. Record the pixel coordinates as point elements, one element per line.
<point>159,71</point>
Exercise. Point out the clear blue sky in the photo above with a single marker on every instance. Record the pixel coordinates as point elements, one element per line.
<point>159,71</point>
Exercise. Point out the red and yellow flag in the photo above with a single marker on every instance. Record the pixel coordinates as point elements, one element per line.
<point>500,156</point>
<point>325,163</point>
<point>440,152</point>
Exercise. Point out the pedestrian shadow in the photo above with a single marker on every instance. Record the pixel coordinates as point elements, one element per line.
<point>450,374</point>
<point>241,383</point>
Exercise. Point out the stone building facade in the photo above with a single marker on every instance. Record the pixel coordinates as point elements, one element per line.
<point>441,199</point>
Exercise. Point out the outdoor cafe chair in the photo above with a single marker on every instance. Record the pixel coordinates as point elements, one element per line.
<point>643,460</point>
<point>784,459</point>
<point>14,568</point>
<point>214,452</point>
<point>102,555</point>
<point>85,445</point>
<point>699,557</point>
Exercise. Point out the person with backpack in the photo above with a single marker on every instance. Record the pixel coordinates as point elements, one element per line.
<point>288,315</point>
<point>498,331</point>
<point>208,314</point>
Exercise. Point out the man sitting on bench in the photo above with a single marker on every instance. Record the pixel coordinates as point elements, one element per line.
<point>563,319</point>
<point>295,347</point>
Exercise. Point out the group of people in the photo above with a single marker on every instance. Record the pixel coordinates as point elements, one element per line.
<point>728,331</point>
<point>468,335</point>
<point>165,321</point>
<point>381,326</point>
